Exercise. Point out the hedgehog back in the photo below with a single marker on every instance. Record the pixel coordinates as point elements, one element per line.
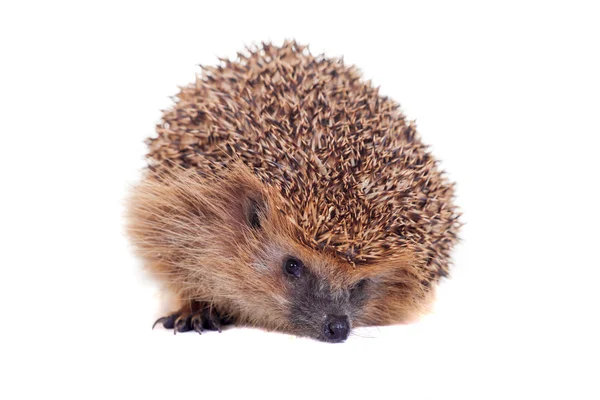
<point>353,173</point>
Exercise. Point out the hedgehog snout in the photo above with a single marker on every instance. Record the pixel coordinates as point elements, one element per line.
<point>336,328</point>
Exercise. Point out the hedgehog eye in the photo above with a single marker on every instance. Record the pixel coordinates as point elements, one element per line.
<point>293,267</point>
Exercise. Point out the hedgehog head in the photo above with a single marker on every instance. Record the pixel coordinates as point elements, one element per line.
<point>260,266</point>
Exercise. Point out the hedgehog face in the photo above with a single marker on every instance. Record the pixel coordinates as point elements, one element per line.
<point>313,293</point>
<point>301,291</point>
<point>288,286</point>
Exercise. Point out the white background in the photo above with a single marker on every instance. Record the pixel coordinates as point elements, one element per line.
<point>508,95</point>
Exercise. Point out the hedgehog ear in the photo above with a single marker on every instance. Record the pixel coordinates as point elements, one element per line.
<point>255,210</point>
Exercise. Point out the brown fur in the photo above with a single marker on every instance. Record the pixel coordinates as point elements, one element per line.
<point>340,181</point>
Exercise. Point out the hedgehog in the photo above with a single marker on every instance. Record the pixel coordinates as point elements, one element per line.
<point>284,192</point>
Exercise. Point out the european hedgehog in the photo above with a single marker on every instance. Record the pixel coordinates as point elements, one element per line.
<point>284,192</point>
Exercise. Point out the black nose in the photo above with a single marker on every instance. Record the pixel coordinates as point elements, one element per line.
<point>337,327</point>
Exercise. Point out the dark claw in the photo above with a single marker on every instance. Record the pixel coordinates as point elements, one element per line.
<point>167,322</point>
<point>197,323</point>
<point>183,324</point>
<point>212,322</point>
<point>198,320</point>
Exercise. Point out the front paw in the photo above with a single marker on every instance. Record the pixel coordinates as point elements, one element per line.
<point>198,318</point>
